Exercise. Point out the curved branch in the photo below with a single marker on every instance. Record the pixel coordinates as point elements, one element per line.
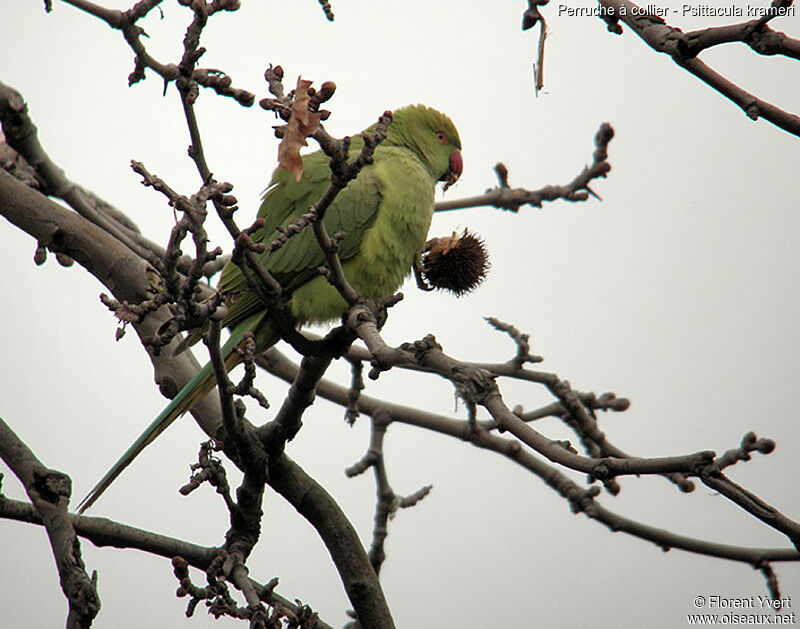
<point>21,135</point>
<point>104,532</point>
<point>125,274</point>
<point>476,386</point>
<point>670,40</point>
<point>277,364</point>
<point>125,22</point>
<point>754,33</point>
<point>49,492</point>
<point>316,505</point>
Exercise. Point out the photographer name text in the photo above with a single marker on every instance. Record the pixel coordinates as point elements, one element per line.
<point>714,601</point>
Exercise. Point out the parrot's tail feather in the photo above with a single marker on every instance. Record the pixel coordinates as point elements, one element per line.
<point>190,339</point>
<point>194,391</point>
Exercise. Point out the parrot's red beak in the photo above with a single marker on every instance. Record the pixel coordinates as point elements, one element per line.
<point>455,169</point>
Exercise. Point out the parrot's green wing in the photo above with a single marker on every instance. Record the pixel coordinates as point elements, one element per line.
<point>353,212</point>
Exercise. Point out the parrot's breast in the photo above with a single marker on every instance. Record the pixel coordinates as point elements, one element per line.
<point>389,247</point>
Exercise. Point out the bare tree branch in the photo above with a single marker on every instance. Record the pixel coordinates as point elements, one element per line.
<point>314,504</point>
<point>670,40</point>
<point>49,492</point>
<point>478,387</point>
<point>583,501</point>
<point>388,502</point>
<point>506,198</point>
<point>21,134</point>
<point>127,276</point>
<point>125,22</point>
<point>159,292</point>
<point>103,532</point>
<point>755,33</point>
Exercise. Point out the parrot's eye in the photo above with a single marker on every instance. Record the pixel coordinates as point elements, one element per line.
<point>442,137</point>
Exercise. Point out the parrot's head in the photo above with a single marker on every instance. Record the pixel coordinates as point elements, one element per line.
<point>432,136</point>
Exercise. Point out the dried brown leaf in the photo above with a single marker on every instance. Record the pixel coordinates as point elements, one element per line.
<point>302,123</point>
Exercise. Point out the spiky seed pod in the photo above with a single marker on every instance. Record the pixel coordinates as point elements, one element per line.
<point>457,263</point>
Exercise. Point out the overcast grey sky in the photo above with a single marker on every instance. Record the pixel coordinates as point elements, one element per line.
<point>679,290</point>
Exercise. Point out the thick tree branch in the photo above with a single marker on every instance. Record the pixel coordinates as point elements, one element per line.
<point>260,453</point>
<point>49,178</point>
<point>129,278</point>
<point>103,532</point>
<point>317,506</point>
<point>49,492</point>
<point>670,40</point>
<point>754,33</point>
<point>22,135</point>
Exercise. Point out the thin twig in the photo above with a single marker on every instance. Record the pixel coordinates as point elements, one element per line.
<point>388,502</point>
<point>507,198</point>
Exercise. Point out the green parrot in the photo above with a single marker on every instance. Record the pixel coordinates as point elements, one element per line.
<point>385,213</point>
